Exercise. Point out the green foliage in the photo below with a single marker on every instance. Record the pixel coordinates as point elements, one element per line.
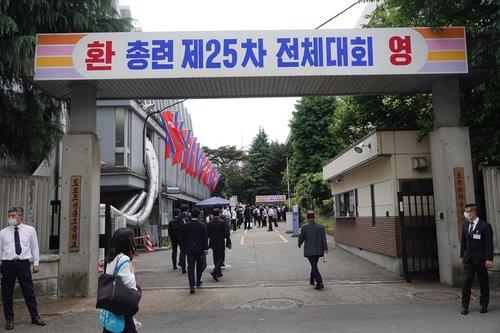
<point>246,175</point>
<point>311,142</point>
<point>28,130</point>
<point>311,190</point>
<point>481,21</point>
<point>357,116</point>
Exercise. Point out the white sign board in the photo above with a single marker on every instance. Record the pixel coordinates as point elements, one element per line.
<point>270,198</point>
<point>128,55</point>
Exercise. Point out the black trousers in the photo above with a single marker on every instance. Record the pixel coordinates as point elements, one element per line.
<point>233,223</point>
<point>276,223</point>
<point>471,269</point>
<point>240,222</point>
<point>270,225</point>
<point>176,243</point>
<point>20,270</point>
<point>315,275</point>
<point>218,255</point>
<point>247,225</point>
<point>198,262</point>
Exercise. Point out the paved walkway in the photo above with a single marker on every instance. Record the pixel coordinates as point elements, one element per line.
<point>258,257</point>
<point>266,288</point>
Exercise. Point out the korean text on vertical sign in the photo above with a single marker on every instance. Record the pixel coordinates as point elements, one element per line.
<point>461,199</point>
<point>74,213</point>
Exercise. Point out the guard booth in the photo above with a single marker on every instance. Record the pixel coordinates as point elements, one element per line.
<point>84,67</point>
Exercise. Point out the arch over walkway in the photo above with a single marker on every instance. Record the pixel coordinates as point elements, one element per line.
<point>87,67</point>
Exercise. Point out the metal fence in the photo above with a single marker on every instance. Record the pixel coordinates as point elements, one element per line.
<point>31,193</point>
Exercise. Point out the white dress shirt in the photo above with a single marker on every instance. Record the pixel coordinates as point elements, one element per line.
<point>474,224</point>
<point>128,277</point>
<point>28,240</point>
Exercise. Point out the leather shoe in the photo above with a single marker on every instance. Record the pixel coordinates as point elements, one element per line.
<point>38,321</point>
<point>311,283</point>
<point>464,311</point>
<point>199,283</point>
<point>191,290</point>
<point>9,325</point>
<point>319,286</point>
<point>184,270</point>
<point>483,309</point>
<point>214,277</point>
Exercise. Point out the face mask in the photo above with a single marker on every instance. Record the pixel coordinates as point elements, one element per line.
<point>12,221</point>
<point>466,215</point>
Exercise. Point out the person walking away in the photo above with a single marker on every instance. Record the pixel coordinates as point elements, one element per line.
<point>275,216</point>
<point>194,236</point>
<point>314,238</point>
<point>476,256</point>
<point>269,212</point>
<point>122,249</point>
<point>256,217</point>
<point>174,232</point>
<point>248,217</point>
<point>265,216</point>
<point>218,240</point>
<point>239,216</point>
<point>183,218</point>
<point>18,245</point>
<point>285,210</point>
<point>233,218</point>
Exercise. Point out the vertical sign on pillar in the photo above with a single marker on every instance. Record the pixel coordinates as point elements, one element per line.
<point>460,198</point>
<point>74,213</point>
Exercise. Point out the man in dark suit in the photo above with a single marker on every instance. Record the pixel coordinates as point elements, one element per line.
<point>476,255</point>
<point>313,235</point>
<point>218,239</point>
<point>194,237</point>
<point>174,232</point>
<point>183,218</point>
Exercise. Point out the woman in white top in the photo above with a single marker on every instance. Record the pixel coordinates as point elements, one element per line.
<point>122,249</point>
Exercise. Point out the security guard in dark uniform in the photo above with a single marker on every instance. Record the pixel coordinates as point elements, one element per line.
<point>476,255</point>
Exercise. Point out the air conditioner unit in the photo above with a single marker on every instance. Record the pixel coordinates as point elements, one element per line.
<point>420,163</point>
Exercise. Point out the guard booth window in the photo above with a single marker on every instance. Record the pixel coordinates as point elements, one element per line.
<point>345,204</point>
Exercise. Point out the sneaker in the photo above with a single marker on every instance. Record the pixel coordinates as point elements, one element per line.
<point>38,321</point>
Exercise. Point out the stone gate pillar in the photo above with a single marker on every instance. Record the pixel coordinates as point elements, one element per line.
<point>452,176</point>
<point>80,181</point>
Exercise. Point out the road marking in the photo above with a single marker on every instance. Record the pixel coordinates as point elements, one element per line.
<point>283,238</point>
<point>246,231</point>
<point>242,241</point>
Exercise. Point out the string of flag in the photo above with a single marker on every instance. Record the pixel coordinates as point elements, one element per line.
<point>184,149</point>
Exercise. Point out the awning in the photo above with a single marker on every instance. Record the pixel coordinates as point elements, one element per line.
<point>181,196</point>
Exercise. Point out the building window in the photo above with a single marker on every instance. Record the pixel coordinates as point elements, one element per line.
<point>372,195</point>
<point>122,137</point>
<point>345,204</point>
<point>416,185</point>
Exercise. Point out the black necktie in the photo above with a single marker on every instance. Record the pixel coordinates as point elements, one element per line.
<point>17,241</point>
<point>471,227</point>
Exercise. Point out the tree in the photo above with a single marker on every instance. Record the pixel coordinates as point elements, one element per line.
<point>28,118</point>
<point>225,154</point>
<point>311,190</point>
<point>311,141</point>
<point>480,19</point>
<point>357,116</point>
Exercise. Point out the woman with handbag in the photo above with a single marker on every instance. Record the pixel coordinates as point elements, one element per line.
<point>121,262</point>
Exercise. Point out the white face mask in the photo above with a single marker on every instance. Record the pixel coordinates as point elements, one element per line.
<point>466,215</point>
<point>12,221</point>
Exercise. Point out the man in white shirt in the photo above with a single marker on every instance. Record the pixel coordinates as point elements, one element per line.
<point>18,245</point>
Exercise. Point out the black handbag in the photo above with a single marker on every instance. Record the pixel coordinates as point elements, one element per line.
<point>113,295</point>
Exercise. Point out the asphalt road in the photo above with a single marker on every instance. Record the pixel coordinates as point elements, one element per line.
<point>266,288</point>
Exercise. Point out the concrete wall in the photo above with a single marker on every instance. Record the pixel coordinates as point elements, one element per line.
<point>45,281</point>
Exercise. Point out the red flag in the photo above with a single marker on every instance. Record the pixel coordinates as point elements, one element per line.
<point>207,173</point>
<point>175,135</point>
<point>188,139</point>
